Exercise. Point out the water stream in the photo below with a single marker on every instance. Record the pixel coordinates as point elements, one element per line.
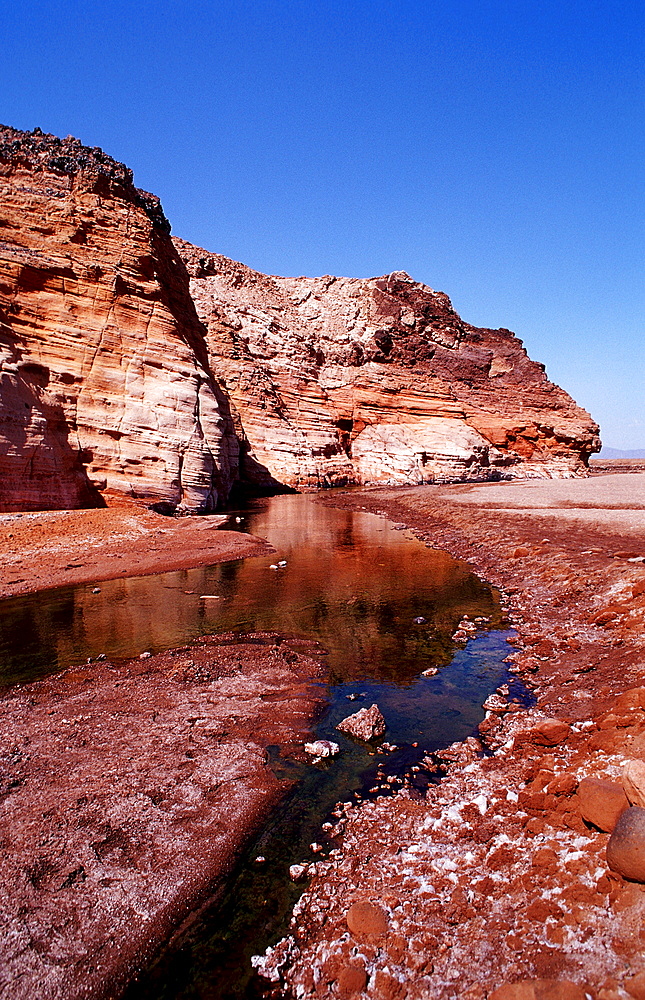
<point>382,604</point>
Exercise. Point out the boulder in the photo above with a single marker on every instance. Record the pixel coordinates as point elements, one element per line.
<point>634,782</point>
<point>601,802</point>
<point>365,724</point>
<point>351,979</point>
<point>626,847</point>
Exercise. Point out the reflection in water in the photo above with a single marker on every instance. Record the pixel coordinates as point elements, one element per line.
<point>354,583</point>
<point>351,581</point>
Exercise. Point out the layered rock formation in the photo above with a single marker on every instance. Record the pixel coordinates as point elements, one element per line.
<point>104,377</point>
<point>342,380</point>
<point>110,382</point>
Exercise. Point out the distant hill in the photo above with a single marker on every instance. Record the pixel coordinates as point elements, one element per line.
<point>617,453</point>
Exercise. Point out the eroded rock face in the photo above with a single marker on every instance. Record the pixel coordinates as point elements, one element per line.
<point>345,380</point>
<point>104,377</point>
<point>110,382</point>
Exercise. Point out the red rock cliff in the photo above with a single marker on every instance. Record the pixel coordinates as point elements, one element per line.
<point>104,377</point>
<point>113,379</point>
<point>343,380</point>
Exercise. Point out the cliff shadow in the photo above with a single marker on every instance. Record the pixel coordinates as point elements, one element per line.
<point>39,467</point>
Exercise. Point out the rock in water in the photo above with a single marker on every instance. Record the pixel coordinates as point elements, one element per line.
<point>105,381</point>
<point>347,380</point>
<point>322,748</point>
<point>626,847</point>
<point>365,724</point>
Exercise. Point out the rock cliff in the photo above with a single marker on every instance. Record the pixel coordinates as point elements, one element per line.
<point>104,377</point>
<point>114,379</point>
<point>344,380</point>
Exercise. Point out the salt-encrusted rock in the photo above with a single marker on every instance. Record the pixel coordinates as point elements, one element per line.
<point>365,724</point>
<point>601,802</point>
<point>322,748</point>
<point>539,989</point>
<point>634,782</point>
<point>367,919</point>
<point>495,703</point>
<point>626,847</point>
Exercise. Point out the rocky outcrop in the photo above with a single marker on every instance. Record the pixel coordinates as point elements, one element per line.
<point>344,380</point>
<point>113,380</point>
<point>104,377</point>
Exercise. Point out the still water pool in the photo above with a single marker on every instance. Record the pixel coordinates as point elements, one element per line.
<point>384,607</point>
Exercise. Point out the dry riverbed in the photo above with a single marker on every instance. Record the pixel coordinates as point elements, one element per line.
<point>495,878</point>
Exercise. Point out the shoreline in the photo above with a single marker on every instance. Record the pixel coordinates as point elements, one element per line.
<point>46,549</point>
<point>497,877</point>
<point>128,791</point>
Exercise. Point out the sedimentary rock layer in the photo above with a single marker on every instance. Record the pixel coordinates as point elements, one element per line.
<point>344,380</point>
<point>109,381</point>
<point>104,379</point>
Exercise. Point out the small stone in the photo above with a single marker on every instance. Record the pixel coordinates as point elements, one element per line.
<point>322,748</point>
<point>366,724</point>
<point>634,782</point>
<point>601,802</point>
<point>626,847</point>
<point>419,620</point>
<point>495,703</point>
<point>96,590</point>
<point>367,919</point>
<point>260,860</point>
<point>351,979</point>
<point>145,656</point>
<point>297,872</point>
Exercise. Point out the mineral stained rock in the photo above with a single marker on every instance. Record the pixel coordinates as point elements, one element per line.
<point>346,380</point>
<point>104,377</point>
<point>132,363</point>
<point>365,724</point>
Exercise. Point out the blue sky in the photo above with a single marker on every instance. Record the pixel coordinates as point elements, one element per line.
<point>494,150</point>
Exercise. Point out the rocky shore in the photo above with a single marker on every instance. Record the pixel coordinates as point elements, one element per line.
<point>496,885</point>
<point>127,792</point>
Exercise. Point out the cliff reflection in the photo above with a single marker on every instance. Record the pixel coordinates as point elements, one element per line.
<point>351,581</point>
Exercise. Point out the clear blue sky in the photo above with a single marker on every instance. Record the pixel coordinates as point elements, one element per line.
<point>494,150</point>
